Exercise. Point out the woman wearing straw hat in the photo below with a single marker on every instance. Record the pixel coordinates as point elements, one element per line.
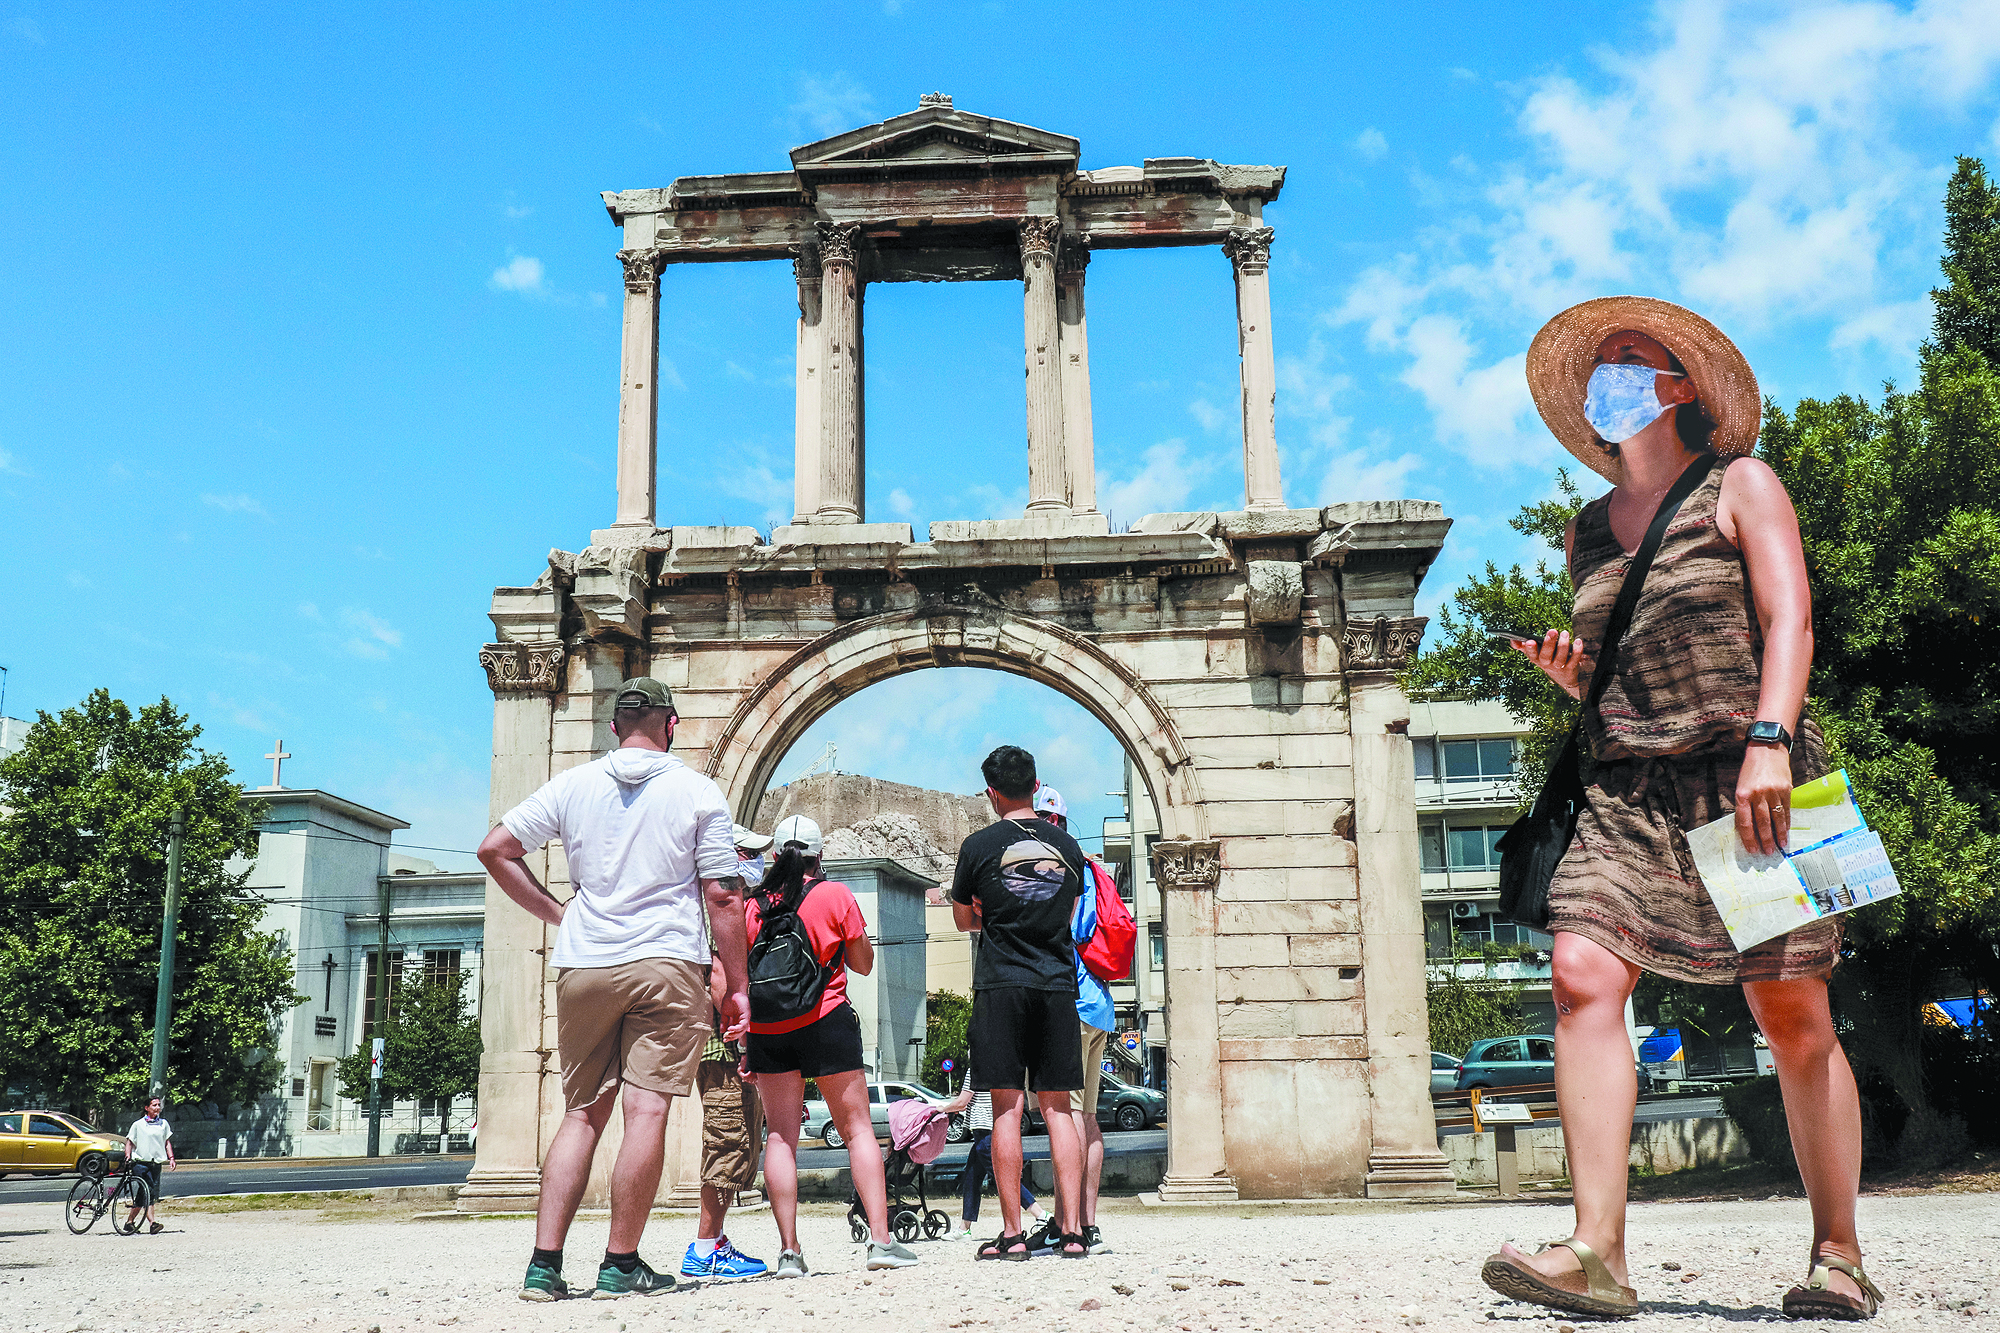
<point>1701,716</point>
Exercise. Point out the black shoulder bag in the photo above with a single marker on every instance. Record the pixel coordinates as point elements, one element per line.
<point>1534,846</point>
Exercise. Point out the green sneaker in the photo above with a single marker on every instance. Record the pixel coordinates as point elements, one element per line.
<point>641,1281</point>
<point>544,1284</point>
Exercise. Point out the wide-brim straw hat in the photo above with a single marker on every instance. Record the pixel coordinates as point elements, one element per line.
<point>1565,352</point>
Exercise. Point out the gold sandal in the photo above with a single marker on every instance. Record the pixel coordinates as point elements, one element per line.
<point>1592,1291</point>
<point>1814,1300</point>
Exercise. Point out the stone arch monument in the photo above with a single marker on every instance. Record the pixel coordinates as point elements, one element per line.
<point>1245,661</point>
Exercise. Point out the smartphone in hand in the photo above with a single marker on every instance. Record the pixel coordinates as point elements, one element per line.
<point>1507,636</point>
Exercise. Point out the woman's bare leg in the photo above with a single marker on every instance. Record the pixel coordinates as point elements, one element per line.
<point>1822,1108</point>
<point>784,1099</point>
<point>847,1098</point>
<point>1596,1091</point>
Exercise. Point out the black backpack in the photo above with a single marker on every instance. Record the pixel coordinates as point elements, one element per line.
<point>786,976</point>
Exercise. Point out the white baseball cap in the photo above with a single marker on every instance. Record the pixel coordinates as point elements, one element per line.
<point>1049,801</point>
<point>798,831</point>
<point>749,840</point>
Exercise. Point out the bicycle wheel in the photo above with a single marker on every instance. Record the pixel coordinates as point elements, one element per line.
<point>86,1203</point>
<point>129,1205</point>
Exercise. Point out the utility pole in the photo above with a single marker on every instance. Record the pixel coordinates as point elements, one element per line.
<point>163,1007</point>
<point>381,1027</point>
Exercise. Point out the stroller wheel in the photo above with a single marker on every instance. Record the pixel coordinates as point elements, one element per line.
<point>906,1225</point>
<point>935,1224</point>
<point>857,1229</point>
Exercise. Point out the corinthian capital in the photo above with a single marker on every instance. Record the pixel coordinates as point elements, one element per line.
<point>1038,238</point>
<point>805,266</point>
<point>516,668</point>
<point>642,269</point>
<point>1074,256</point>
<point>1381,644</point>
<point>1249,247</point>
<point>836,242</point>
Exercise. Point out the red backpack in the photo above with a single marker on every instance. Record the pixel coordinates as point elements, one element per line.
<point>1108,953</point>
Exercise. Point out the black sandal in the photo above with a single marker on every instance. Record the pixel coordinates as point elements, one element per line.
<point>1082,1250</point>
<point>1002,1247</point>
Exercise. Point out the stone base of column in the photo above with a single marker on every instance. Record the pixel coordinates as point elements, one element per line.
<point>624,534</point>
<point>1041,523</point>
<point>842,534</point>
<point>1198,1189</point>
<point>500,1192</point>
<point>1410,1175</point>
<point>687,1194</point>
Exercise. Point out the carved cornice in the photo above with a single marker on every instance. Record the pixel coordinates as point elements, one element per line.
<point>806,266</point>
<point>836,242</point>
<point>1038,239</point>
<point>1381,644</point>
<point>1187,864</point>
<point>516,668</point>
<point>1249,248</point>
<point>1074,256</point>
<point>642,269</point>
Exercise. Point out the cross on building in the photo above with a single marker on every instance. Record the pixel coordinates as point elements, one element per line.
<point>277,758</point>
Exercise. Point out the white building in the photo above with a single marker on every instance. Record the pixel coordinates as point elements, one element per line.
<point>1141,1003</point>
<point>325,866</point>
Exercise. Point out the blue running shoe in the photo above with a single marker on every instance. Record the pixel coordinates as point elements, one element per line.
<point>726,1261</point>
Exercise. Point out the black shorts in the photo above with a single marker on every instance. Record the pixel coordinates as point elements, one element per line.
<point>1018,1034</point>
<point>830,1045</point>
<point>148,1172</point>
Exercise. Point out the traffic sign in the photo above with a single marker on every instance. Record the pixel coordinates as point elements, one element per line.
<point>947,1064</point>
<point>1110,1068</point>
<point>375,1059</point>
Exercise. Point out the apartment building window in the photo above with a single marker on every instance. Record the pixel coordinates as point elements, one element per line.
<point>1471,847</point>
<point>1478,761</point>
<point>1156,941</point>
<point>1430,843</point>
<point>441,965</point>
<point>1425,750</point>
<point>370,1002</point>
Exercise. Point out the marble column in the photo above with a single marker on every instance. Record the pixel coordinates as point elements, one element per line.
<point>1403,1157</point>
<point>1048,482</point>
<point>639,391</point>
<point>1073,343</point>
<point>1249,250</point>
<point>1187,874</point>
<point>840,399</point>
<point>805,422</point>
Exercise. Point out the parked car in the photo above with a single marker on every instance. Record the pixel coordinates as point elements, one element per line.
<point>1444,1072</point>
<point>818,1118</point>
<point>1505,1062</point>
<point>1120,1105</point>
<point>51,1143</point>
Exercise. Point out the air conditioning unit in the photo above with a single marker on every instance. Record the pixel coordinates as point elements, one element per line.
<point>1465,911</point>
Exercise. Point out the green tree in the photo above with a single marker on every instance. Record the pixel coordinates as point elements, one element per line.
<point>83,844</point>
<point>1464,1011</point>
<point>947,1021</point>
<point>430,1046</point>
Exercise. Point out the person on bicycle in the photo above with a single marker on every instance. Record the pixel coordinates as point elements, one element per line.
<point>152,1144</point>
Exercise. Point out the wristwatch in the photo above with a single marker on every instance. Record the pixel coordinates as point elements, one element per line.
<point>1772,732</point>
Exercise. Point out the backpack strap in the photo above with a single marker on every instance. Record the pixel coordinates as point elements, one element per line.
<point>1635,574</point>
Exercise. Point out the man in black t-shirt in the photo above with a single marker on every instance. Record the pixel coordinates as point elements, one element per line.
<point>1016,884</point>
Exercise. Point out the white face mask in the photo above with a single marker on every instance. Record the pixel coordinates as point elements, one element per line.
<point>1623,400</point>
<point>752,870</point>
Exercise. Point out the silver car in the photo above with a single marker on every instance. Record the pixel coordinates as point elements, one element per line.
<point>1444,1073</point>
<point>817,1120</point>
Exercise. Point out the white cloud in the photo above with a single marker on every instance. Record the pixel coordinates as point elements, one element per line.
<point>519,210</point>
<point>1211,417</point>
<point>310,611</point>
<point>78,579</point>
<point>521,274</point>
<point>752,477</point>
<point>827,106</point>
<point>670,374</point>
<point>1482,410</point>
<point>7,463</point>
<point>900,503</point>
<point>1162,484</point>
<point>374,636</point>
<point>738,372</point>
<point>1371,143</point>
<point>1359,474</point>
<point>1897,327</point>
<point>236,504</point>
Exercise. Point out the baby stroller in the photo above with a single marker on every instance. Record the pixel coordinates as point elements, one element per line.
<point>917,1133</point>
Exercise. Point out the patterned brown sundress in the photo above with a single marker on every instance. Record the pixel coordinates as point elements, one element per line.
<point>1666,742</point>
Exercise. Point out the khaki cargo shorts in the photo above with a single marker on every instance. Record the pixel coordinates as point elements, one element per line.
<point>1084,1099</point>
<point>642,1023</point>
<point>732,1127</point>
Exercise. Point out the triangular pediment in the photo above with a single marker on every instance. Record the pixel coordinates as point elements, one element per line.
<point>933,134</point>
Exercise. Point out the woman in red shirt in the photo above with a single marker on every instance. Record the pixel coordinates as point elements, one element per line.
<point>823,1044</point>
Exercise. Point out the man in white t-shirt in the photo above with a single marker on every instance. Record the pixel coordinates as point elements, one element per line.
<point>152,1147</point>
<point>648,844</point>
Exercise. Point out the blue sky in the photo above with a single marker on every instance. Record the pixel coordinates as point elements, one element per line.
<point>311,318</point>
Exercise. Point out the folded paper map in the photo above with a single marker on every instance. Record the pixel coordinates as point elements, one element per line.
<point>1832,863</point>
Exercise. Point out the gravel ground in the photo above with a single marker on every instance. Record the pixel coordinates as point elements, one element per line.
<point>1341,1266</point>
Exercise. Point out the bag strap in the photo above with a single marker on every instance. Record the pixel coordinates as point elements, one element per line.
<point>1635,574</point>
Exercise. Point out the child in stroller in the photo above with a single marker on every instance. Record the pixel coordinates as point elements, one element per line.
<point>917,1133</point>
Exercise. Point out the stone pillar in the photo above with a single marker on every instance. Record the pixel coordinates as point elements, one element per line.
<point>1249,250</point>
<point>1403,1157</point>
<point>1197,1165</point>
<point>840,383</point>
<point>639,391</point>
<point>1048,483</point>
<point>507,1175</point>
<point>1073,343</point>
<point>806,431</point>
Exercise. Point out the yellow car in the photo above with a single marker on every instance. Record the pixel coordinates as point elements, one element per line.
<point>50,1143</point>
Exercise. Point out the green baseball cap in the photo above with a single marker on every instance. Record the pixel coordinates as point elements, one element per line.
<point>644,692</point>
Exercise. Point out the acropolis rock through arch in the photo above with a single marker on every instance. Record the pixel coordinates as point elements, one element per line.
<point>1245,661</point>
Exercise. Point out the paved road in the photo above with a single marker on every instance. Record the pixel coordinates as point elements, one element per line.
<point>270,1176</point>
<point>1035,1148</point>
